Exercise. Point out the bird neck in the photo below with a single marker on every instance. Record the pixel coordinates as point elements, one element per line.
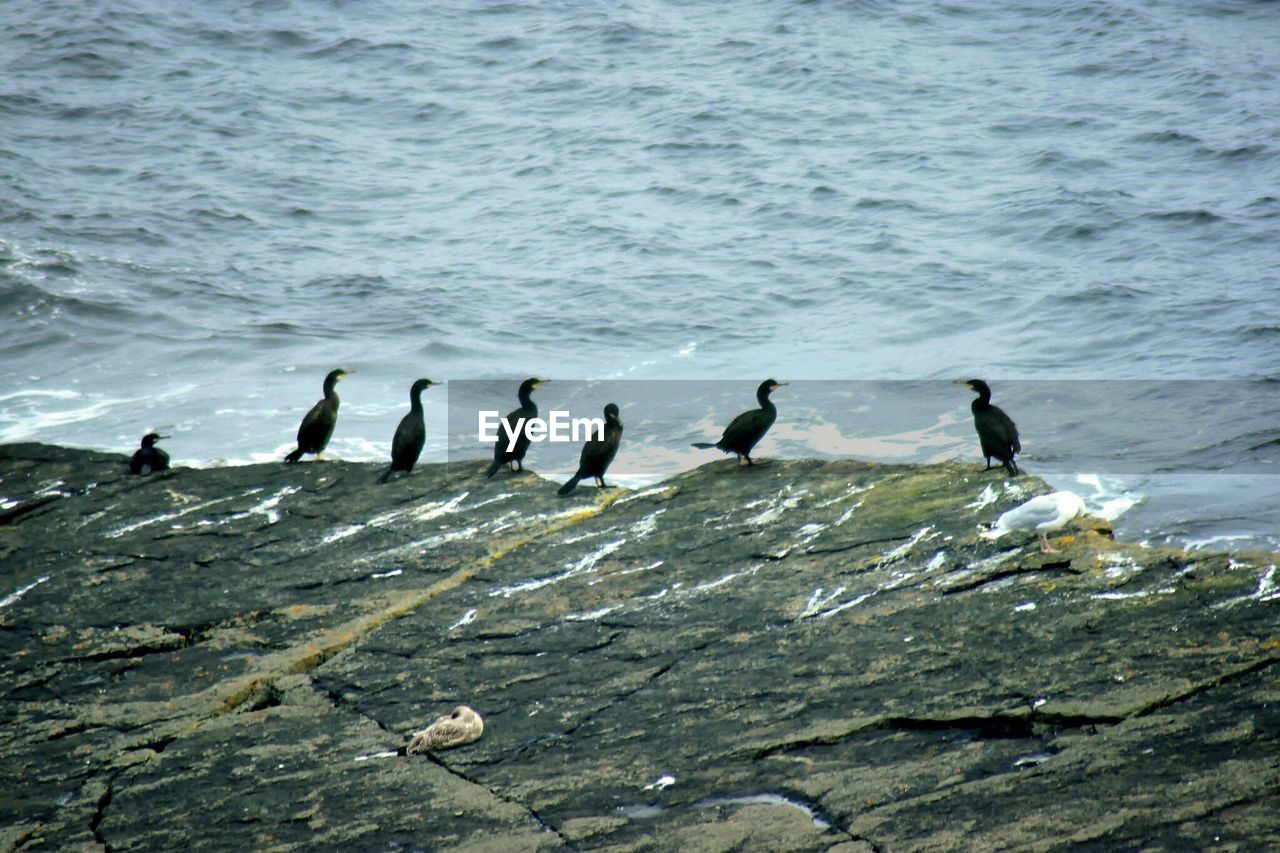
<point>526,400</point>
<point>762,396</point>
<point>984,400</point>
<point>415,401</point>
<point>330,388</point>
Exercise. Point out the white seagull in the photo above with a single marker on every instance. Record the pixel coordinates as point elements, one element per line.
<point>1042,514</point>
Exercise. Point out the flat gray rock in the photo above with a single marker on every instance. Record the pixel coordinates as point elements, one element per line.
<point>800,656</point>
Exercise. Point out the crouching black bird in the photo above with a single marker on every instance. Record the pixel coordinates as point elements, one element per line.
<point>746,429</point>
<point>411,435</point>
<point>598,452</point>
<point>149,458</point>
<point>997,433</point>
<point>317,426</point>
<point>503,451</point>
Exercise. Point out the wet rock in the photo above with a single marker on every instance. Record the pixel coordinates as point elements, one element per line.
<point>807,655</point>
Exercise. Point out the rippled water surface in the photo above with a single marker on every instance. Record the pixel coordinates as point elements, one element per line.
<point>204,207</point>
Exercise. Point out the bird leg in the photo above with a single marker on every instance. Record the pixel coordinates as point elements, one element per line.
<point>319,457</point>
<point>1044,545</point>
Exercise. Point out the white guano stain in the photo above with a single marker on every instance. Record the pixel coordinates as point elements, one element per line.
<point>582,566</point>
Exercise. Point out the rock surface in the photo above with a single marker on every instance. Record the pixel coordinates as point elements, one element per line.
<point>802,656</point>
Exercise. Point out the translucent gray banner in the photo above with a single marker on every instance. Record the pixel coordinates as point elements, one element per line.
<point>1109,427</point>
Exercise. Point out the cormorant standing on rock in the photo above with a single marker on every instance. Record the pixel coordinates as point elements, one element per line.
<point>528,410</point>
<point>746,429</point>
<point>317,426</point>
<point>149,458</point>
<point>997,433</point>
<point>411,435</point>
<point>597,453</point>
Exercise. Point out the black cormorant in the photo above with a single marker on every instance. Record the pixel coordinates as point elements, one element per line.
<point>597,453</point>
<point>746,429</point>
<point>997,433</point>
<point>528,409</point>
<point>148,457</point>
<point>406,446</point>
<point>317,426</point>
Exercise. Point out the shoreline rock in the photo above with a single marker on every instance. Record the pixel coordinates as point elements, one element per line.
<point>805,655</point>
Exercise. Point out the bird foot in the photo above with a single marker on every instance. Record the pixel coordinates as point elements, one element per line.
<point>1046,548</point>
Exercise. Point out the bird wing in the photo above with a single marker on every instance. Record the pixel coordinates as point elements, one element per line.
<point>1030,515</point>
<point>1006,428</point>
<point>746,429</point>
<point>315,422</point>
<point>406,445</point>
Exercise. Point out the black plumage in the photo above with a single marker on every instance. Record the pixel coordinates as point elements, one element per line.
<point>597,453</point>
<point>997,433</point>
<point>528,410</point>
<point>149,458</point>
<point>744,431</point>
<point>317,427</point>
<point>411,434</point>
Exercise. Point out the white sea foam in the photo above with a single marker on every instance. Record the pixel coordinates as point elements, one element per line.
<point>1108,498</point>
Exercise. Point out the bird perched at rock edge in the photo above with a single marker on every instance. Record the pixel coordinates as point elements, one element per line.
<point>997,433</point>
<point>317,427</point>
<point>1043,514</point>
<point>528,410</point>
<point>744,431</point>
<point>460,727</point>
<point>148,458</point>
<point>598,453</point>
<point>411,434</point>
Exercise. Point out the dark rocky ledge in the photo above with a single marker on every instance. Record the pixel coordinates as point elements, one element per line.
<point>820,655</point>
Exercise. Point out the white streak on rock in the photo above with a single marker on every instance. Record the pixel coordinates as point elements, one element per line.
<point>467,619</point>
<point>13,597</point>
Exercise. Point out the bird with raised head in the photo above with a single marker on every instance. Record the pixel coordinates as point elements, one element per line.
<point>317,427</point>
<point>411,434</point>
<point>744,431</point>
<point>504,452</point>
<point>149,458</point>
<point>598,452</point>
<point>997,433</point>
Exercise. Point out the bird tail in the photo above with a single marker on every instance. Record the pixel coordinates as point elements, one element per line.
<point>386,475</point>
<point>493,467</point>
<point>570,485</point>
<point>704,445</point>
<point>294,456</point>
